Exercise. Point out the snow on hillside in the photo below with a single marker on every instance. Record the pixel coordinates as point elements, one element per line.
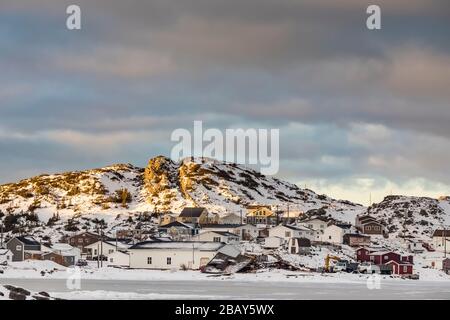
<point>416,217</point>
<point>118,193</point>
<point>125,195</point>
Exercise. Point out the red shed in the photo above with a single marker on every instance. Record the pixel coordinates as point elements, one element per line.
<point>402,267</point>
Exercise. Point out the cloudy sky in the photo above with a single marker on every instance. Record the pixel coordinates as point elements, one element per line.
<point>359,111</point>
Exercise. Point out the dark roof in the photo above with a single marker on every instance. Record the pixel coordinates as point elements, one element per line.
<point>315,218</point>
<point>192,212</point>
<point>28,240</point>
<point>225,233</point>
<point>303,242</point>
<point>343,225</point>
<point>217,225</point>
<point>441,233</point>
<point>176,224</point>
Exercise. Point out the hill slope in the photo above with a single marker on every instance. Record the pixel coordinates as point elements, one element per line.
<point>163,186</point>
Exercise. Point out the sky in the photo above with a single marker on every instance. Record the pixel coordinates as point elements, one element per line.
<point>362,113</point>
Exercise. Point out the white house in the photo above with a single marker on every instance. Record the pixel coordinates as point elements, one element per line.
<point>314,223</point>
<point>119,259</point>
<point>105,248</point>
<point>273,242</point>
<point>217,236</point>
<point>441,240</point>
<point>247,231</point>
<point>5,256</point>
<point>335,233</point>
<point>174,255</point>
<point>290,231</point>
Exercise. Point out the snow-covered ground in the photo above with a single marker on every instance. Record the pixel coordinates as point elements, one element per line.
<point>113,283</point>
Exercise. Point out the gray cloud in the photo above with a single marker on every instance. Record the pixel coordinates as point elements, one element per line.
<point>351,103</point>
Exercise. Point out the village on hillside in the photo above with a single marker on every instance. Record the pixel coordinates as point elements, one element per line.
<point>262,238</point>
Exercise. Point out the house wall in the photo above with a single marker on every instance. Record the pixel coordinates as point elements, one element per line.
<point>273,242</point>
<point>192,259</point>
<point>95,249</point>
<point>293,248</point>
<point>401,269</point>
<point>211,236</point>
<point>333,234</point>
<point>362,255</point>
<point>119,259</point>
<point>17,248</point>
<point>314,224</point>
<point>55,258</point>
<point>439,244</point>
<point>247,232</point>
<point>372,228</point>
<point>356,241</point>
<point>286,233</point>
<point>82,240</point>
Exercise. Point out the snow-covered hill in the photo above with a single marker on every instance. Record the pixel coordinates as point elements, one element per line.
<point>125,195</point>
<point>163,186</point>
<point>412,216</point>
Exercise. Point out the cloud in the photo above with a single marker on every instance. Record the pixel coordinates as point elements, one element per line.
<point>353,106</point>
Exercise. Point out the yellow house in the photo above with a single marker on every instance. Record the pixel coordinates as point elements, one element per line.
<point>260,215</point>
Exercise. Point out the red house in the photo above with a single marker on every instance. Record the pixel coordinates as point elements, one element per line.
<point>403,267</point>
<point>381,257</point>
<point>362,254</point>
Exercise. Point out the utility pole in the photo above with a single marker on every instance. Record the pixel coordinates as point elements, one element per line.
<point>445,242</point>
<point>1,235</point>
<point>287,213</point>
<point>193,252</point>
<point>101,248</point>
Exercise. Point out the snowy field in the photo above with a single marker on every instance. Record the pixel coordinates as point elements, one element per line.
<point>112,283</point>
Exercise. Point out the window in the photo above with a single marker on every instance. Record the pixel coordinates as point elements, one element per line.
<point>7,257</point>
<point>80,240</point>
<point>405,268</point>
<point>111,260</point>
<point>386,257</point>
<point>287,234</point>
<point>216,239</point>
<point>169,260</point>
<point>110,251</point>
<point>19,248</point>
<point>149,260</point>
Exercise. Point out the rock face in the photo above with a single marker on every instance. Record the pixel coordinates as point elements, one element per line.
<point>412,216</point>
<point>163,186</point>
